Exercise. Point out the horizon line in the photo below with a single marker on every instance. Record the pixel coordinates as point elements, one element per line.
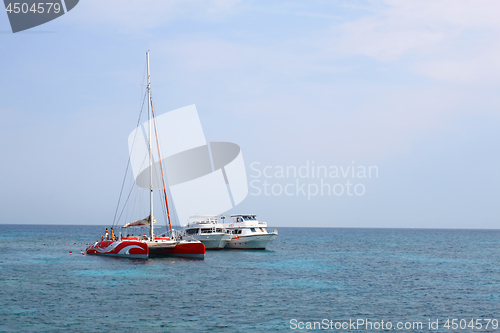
<point>314,227</point>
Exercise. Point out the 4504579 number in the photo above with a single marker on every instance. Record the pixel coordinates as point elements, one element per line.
<point>456,324</point>
<point>37,8</point>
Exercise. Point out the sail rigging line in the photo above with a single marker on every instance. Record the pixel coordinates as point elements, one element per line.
<point>128,197</point>
<point>115,222</point>
<point>125,204</point>
<point>161,168</point>
<point>163,208</point>
<point>161,197</point>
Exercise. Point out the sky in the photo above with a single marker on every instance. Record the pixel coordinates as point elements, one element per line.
<point>408,88</point>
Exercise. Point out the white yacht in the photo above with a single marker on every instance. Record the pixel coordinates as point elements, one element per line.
<point>247,232</point>
<point>207,230</point>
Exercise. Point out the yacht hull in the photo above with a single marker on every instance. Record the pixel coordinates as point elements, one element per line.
<point>255,242</point>
<point>213,241</point>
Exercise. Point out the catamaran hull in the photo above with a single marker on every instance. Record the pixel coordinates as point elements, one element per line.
<point>144,250</point>
<point>213,241</point>
<point>184,249</point>
<point>254,242</point>
<point>124,249</point>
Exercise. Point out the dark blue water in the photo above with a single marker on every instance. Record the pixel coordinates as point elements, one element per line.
<point>307,274</point>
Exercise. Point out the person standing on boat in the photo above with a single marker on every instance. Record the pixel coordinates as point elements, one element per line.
<point>106,234</point>
<point>113,238</point>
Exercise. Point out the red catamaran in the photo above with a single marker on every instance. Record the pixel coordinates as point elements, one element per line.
<point>143,246</point>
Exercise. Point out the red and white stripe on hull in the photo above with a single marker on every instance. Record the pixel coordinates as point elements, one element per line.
<point>126,249</point>
<point>144,250</point>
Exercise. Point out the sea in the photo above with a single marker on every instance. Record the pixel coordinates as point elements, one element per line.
<point>308,280</point>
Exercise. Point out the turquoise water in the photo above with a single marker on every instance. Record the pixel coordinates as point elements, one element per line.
<point>306,274</point>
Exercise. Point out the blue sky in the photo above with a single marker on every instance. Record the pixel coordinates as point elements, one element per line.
<point>408,86</point>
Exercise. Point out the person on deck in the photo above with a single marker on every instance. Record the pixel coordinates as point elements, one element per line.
<point>113,238</point>
<point>106,234</point>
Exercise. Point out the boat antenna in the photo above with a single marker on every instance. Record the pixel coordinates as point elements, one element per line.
<point>150,157</point>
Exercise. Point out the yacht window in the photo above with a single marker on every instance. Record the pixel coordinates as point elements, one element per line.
<point>206,231</point>
<point>252,229</point>
<point>262,229</point>
<point>239,231</point>
<point>218,230</point>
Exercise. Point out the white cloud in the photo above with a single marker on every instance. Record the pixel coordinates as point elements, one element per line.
<point>452,40</point>
<point>479,67</point>
<point>383,39</point>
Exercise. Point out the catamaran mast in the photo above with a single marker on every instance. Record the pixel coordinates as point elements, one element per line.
<point>151,234</point>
